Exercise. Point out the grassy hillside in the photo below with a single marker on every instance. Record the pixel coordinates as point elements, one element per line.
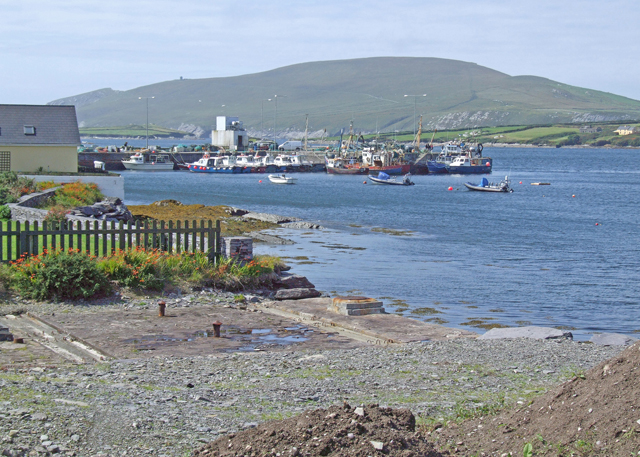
<point>368,91</point>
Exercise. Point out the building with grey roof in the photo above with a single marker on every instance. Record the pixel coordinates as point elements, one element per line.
<point>36,137</point>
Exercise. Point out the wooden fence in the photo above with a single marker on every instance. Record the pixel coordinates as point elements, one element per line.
<point>101,238</point>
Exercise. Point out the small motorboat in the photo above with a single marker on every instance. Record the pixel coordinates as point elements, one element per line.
<point>384,178</point>
<point>486,186</point>
<point>282,179</point>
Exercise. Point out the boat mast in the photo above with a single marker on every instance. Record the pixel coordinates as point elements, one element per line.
<point>416,140</point>
<point>432,137</point>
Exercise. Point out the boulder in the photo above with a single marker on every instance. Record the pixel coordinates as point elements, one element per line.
<point>296,294</point>
<point>612,339</point>
<point>536,333</point>
<point>294,281</point>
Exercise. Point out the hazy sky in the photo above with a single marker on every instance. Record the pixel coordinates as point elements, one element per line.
<point>51,49</point>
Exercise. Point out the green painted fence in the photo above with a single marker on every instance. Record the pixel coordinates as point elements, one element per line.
<point>101,238</point>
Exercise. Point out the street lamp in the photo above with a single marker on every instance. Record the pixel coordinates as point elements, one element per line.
<point>415,98</point>
<point>147,98</point>
<point>262,113</point>
<point>275,120</point>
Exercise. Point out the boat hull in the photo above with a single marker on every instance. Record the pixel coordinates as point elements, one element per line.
<point>470,170</point>
<point>148,166</point>
<point>201,169</point>
<point>437,167</point>
<point>486,189</point>
<point>348,171</point>
<point>393,169</point>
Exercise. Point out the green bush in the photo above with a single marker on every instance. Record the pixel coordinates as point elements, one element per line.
<point>5,212</point>
<point>62,274</point>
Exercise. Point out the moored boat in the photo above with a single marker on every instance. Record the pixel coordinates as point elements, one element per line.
<point>486,186</point>
<point>464,165</point>
<point>338,166</point>
<point>282,179</point>
<point>208,164</point>
<point>148,161</point>
<point>384,178</point>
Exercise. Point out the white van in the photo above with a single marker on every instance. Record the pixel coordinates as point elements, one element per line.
<point>290,146</point>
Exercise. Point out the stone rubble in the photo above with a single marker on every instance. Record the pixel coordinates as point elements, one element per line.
<point>167,406</point>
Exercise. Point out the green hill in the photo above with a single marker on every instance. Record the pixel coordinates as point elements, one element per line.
<point>368,91</point>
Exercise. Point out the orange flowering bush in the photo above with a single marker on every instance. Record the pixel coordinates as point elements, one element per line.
<point>76,194</point>
<point>134,268</point>
<point>61,274</point>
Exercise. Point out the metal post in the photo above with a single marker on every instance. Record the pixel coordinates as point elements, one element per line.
<point>415,100</point>
<point>147,99</point>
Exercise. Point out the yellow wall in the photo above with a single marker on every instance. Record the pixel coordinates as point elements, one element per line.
<point>50,158</point>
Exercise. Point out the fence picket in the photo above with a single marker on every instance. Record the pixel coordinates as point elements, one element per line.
<point>103,238</point>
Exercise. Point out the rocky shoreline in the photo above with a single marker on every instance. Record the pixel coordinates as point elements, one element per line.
<point>169,406</point>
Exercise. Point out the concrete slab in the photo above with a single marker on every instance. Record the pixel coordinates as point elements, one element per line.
<point>612,339</point>
<point>374,328</point>
<point>536,333</point>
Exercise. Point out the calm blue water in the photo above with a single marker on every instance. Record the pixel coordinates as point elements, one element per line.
<point>533,257</point>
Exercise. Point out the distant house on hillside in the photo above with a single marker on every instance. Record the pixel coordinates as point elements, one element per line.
<point>34,136</point>
<point>626,130</point>
<point>589,129</point>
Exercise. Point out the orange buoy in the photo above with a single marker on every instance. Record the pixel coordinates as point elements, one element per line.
<point>488,164</point>
<point>260,180</point>
<point>364,182</point>
<point>450,188</point>
<point>597,223</point>
<point>573,196</point>
<point>520,182</point>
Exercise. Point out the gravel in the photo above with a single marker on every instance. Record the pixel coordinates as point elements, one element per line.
<point>168,406</point>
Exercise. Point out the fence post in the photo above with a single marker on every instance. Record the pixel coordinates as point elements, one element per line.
<point>211,243</point>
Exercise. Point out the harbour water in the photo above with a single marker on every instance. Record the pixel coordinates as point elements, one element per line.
<point>565,255</point>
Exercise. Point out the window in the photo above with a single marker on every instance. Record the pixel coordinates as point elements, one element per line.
<point>5,161</point>
<point>29,130</point>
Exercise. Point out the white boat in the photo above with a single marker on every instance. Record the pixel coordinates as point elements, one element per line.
<point>282,179</point>
<point>146,161</point>
<point>486,186</point>
<point>384,178</point>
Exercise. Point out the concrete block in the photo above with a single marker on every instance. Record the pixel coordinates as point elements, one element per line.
<point>356,306</point>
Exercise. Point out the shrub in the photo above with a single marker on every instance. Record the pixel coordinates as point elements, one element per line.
<point>62,274</point>
<point>44,185</point>
<point>56,216</point>
<point>5,212</point>
<point>133,268</point>
<point>76,194</point>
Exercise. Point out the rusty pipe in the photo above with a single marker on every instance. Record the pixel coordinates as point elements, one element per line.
<point>161,307</point>
<point>216,329</point>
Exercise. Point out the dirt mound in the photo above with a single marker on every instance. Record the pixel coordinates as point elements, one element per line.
<point>595,414</point>
<point>338,431</point>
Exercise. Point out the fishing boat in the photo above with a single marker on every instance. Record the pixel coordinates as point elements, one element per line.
<point>486,186</point>
<point>384,178</point>
<point>282,179</point>
<point>464,165</point>
<point>383,161</point>
<point>208,164</point>
<point>456,152</point>
<point>340,166</point>
<point>147,161</point>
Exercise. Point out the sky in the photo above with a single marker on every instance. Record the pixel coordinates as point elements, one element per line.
<point>51,49</point>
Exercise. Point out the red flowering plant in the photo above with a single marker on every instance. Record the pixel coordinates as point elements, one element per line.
<point>58,274</point>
